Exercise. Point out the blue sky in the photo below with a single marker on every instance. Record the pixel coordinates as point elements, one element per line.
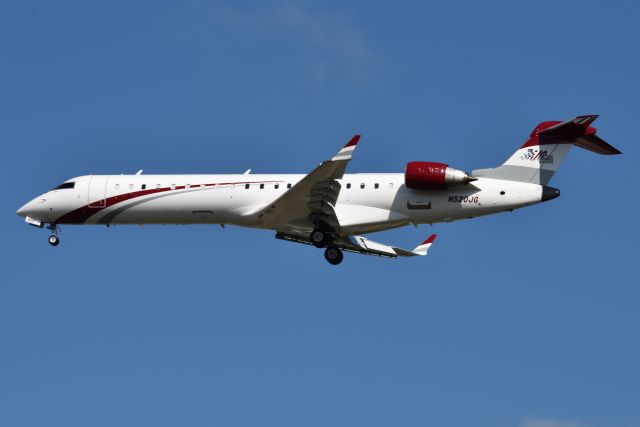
<point>526,319</point>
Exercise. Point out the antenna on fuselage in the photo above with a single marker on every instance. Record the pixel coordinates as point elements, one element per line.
<point>139,172</point>
<point>247,172</point>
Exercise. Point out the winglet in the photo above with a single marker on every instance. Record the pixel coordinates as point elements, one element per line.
<point>347,150</point>
<point>423,248</point>
<point>353,141</point>
<point>430,239</point>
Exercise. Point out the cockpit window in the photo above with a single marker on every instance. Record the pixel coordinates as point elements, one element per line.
<point>65,185</point>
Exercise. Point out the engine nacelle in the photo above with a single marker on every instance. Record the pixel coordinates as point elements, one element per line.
<point>434,176</point>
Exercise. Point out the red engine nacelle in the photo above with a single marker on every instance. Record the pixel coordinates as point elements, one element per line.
<point>434,176</point>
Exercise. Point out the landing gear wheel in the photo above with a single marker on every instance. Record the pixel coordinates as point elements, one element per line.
<point>333,255</point>
<point>54,240</point>
<point>318,238</point>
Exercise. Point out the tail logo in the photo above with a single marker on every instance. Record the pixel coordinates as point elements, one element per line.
<point>537,156</point>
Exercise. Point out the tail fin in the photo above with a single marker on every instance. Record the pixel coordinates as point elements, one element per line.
<point>540,157</point>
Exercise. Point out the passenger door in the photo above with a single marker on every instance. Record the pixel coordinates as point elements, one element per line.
<point>97,197</point>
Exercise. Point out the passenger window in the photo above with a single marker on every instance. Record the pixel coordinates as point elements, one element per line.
<point>130,186</point>
<point>288,185</point>
<point>246,186</point>
<point>187,186</point>
<point>173,186</point>
<point>117,186</point>
<point>391,185</point>
<point>261,186</point>
<point>348,185</point>
<point>158,186</point>
<point>144,186</point>
<point>362,186</point>
<point>376,185</point>
<point>276,186</point>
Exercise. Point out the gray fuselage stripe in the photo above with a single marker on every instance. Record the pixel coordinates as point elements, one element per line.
<point>109,217</point>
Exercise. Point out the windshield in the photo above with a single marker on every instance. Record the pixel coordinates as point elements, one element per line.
<point>65,185</point>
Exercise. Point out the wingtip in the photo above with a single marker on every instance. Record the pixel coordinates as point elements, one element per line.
<point>430,239</point>
<point>353,141</point>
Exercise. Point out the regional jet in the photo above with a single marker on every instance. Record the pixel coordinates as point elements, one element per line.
<point>325,208</point>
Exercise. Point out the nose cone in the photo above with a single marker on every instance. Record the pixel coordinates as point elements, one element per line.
<point>549,193</point>
<point>32,208</point>
<point>24,210</point>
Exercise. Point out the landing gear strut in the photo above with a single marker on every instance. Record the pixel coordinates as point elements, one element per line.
<point>54,240</point>
<point>333,255</point>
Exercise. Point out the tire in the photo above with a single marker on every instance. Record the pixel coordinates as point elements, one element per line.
<point>54,240</point>
<point>333,255</point>
<point>318,238</point>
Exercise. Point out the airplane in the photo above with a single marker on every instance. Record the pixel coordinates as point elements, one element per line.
<point>325,208</point>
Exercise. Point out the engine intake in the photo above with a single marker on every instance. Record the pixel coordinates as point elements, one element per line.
<point>434,176</point>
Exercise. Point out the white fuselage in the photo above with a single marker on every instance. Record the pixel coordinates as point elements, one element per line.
<point>326,208</point>
<point>367,202</point>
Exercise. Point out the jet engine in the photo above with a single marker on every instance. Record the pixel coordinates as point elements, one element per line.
<point>434,176</point>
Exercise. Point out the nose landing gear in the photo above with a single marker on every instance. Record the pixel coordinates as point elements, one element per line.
<point>54,240</point>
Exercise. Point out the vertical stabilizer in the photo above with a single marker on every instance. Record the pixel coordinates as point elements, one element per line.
<point>541,155</point>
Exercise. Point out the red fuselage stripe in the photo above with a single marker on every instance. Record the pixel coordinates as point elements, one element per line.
<point>82,214</point>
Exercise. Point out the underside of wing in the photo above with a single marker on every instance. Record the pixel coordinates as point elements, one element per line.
<point>311,201</point>
<point>362,245</point>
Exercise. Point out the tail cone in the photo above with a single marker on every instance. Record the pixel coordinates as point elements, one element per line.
<point>549,193</point>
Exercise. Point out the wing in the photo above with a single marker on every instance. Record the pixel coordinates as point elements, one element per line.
<point>312,199</point>
<point>361,244</point>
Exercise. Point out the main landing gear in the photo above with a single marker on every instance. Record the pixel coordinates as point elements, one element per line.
<point>319,238</point>
<point>322,239</point>
<point>332,252</point>
<point>333,255</point>
<point>54,240</point>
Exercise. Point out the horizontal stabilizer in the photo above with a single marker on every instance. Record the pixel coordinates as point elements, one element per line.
<point>576,131</point>
<point>596,144</point>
